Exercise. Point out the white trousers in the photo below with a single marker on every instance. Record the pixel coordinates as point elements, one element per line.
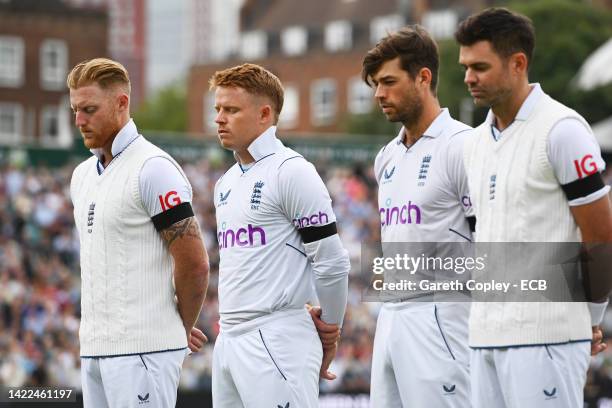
<point>272,361</point>
<point>141,380</point>
<point>530,377</point>
<point>421,356</point>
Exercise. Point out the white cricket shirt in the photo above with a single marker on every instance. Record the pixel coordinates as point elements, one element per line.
<point>263,264</point>
<point>422,189</point>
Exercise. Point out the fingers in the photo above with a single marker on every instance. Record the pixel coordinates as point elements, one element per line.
<point>198,334</point>
<point>328,356</point>
<point>196,339</point>
<point>597,344</point>
<point>326,375</point>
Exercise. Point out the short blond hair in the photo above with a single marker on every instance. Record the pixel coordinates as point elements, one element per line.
<point>254,79</point>
<point>102,71</point>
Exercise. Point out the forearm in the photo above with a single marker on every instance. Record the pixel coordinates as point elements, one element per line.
<point>331,267</point>
<point>332,292</point>
<point>191,282</point>
<point>185,244</point>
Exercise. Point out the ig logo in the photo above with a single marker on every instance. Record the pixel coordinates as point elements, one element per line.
<point>171,199</point>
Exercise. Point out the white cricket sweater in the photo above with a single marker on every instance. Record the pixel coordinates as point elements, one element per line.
<point>127,292</point>
<point>517,198</point>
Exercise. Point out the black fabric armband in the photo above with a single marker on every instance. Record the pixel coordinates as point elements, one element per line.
<point>175,214</point>
<point>312,234</point>
<point>472,223</point>
<point>583,187</point>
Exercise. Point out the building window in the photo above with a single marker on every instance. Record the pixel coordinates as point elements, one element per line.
<point>49,123</point>
<point>53,64</point>
<point>12,61</point>
<point>441,24</point>
<point>359,96</point>
<point>11,122</point>
<point>291,108</point>
<point>323,101</point>
<point>253,45</point>
<point>294,40</point>
<point>209,112</point>
<point>383,25</point>
<point>338,36</point>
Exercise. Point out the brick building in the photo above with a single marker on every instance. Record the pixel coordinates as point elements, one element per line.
<point>316,48</point>
<point>127,39</point>
<point>39,42</point>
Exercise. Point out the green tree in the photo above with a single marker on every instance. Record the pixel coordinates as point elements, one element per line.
<point>165,111</point>
<point>567,32</point>
<point>372,123</point>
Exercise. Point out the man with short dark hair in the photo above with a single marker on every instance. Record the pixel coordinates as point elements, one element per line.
<point>534,172</point>
<point>420,356</point>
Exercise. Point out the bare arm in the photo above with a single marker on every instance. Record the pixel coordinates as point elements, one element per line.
<point>595,223</point>
<point>185,244</point>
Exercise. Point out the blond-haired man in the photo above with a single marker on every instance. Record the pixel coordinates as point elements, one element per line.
<point>138,234</point>
<point>279,250</point>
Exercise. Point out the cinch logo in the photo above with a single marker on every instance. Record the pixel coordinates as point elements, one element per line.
<point>241,237</point>
<point>586,166</point>
<point>400,215</point>
<point>466,201</point>
<point>315,219</point>
<point>171,199</point>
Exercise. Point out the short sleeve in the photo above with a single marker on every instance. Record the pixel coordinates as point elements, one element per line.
<point>305,199</point>
<point>163,186</point>
<point>576,160</point>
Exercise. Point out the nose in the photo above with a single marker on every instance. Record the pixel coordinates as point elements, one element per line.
<point>220,118</point>
<point>470,77</point>
<point>379,94</point>
<point>79,119</point>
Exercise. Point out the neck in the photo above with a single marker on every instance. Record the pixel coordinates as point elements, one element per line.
<point>506,111</point>
<point>244,157</point>
<point>107,150</point>
<point>414,131</point>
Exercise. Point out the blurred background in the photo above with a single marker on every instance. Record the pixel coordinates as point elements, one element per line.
<point>171,48</point>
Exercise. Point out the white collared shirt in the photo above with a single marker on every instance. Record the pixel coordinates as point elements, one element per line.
<point>263,262</point>
<point>572,148</point>
<point>162,184</point>
<point>422,190</point>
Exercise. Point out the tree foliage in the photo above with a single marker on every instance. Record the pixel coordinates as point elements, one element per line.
<point>567,32</point>
<point>165,111</point>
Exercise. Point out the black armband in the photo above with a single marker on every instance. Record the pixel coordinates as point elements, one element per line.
<point>175,214</point>
<point>583,187</point>
<point>312,234</point>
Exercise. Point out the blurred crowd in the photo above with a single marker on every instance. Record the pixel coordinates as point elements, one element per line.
<point>40,283</point>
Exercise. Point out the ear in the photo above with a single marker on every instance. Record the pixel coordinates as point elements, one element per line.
<point>423,77</point>
<point>124,101</point>
<point>519,63</point>
<point>266,114</point>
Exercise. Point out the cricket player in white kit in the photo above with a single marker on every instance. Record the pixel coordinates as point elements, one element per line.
<point>420,356</point>
<point>279,249</point>
<point>144,268</point>
<point>534,171</point>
